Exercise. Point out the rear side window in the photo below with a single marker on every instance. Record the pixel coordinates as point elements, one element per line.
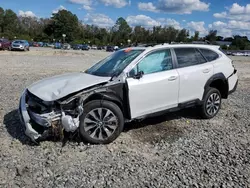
<point>209,54</point>
<point>188,56</point>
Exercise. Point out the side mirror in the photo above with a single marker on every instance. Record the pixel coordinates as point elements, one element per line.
<point>138,75</point>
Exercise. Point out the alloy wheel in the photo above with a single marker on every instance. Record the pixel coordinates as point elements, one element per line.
<point>100,123</point>
<point>213,104</point>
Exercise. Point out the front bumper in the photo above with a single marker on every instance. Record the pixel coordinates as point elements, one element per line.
<point>44,121</point>
<point>40,127</point>
<point>25,119</point>
<point>17,48</point>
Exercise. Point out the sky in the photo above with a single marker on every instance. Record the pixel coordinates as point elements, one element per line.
<point>228,17</point>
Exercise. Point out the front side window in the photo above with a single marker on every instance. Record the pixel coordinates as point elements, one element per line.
<point>188,56</point>
<point>115,63</point>
<point>209,55</point>
<point>155,62</point>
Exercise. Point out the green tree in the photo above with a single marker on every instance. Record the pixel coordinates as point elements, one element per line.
<point>121,31</point>
<point>63,22</point>
<point>182,35</point>
<point>219,38</point>
<point>211,37</point>
<point>8,23</point>
<point>241,42</point>
<point>1,19</point>
<point>196,36</point>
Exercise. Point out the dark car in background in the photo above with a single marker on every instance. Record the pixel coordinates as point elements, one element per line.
<point>22,45</point>
<point>77,46</point>
<point>85,47</point>
<point>100,48</point>
<point>5,44</point>
<point>58,45</point>
<point>110,49</point>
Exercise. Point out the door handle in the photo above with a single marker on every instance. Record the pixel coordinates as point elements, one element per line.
<point>172,78</point>
<point>206,71</point>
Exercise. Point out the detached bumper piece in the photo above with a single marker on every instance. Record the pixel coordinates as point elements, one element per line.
<point>44,126</point>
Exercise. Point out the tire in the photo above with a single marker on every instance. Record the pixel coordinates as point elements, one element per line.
<point>211,103</point>
<point>97,130</point>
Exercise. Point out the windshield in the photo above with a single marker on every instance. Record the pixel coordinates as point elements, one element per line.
<point>18,41</point>
<point>115,63</point>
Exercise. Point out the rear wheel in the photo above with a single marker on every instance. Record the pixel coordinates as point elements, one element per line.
<point>211,103</point>
<point>102,122</point>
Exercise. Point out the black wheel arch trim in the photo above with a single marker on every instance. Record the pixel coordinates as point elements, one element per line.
<point>113,94</point>
<point>217,76</point>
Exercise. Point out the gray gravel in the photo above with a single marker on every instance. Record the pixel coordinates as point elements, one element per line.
<point>175,150</point>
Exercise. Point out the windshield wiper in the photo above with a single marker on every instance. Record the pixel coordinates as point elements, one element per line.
<point>113,75</point>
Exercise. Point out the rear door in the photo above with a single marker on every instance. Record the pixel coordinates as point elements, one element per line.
<point>194,71</point>
<point>158,87</point>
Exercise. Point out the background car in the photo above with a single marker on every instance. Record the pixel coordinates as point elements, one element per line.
<point>77,47</point>
<point>116,48</point>
<point>66,46</point>
<point>94,47</point>
<point>99,47</point>
<point>58,45</point>
<point>35,44</point>
<point>110,49</point>
<point>22,45</point>
<point>85,47</point>
<point>5,44</point>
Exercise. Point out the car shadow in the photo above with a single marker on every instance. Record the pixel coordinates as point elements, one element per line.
<point>190,113</point>
<point>15,128</point>
<point>152,124</point>
<point>158,128</point>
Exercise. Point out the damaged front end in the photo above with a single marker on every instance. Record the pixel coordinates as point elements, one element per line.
<point>43,120</point>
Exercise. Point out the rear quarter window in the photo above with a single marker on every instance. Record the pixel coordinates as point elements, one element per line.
<point>188,57</point>
<point>209,54</point>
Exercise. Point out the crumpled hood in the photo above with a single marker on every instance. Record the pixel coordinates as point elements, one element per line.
<point>56,87</point>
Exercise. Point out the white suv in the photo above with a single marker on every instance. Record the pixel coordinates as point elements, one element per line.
<point>132,83</point>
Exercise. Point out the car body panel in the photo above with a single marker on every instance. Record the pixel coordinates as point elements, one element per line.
<point>153,93</point>
<point>56,87</point>
<point>192,79</point>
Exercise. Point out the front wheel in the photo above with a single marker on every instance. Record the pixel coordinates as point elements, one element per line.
<point>101,122</point>
<point>211,103</point>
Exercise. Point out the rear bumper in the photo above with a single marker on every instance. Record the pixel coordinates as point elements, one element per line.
<point>234,89</point>
<point>232,82</point>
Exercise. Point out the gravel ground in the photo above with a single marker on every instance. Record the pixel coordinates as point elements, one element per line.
<point>175,150</point>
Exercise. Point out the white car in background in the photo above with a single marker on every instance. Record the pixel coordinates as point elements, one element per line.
<point>131,83</point>
<point>22,45</point>
<point>94,47</point>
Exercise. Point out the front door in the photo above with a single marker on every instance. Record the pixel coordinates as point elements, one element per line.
<point>158,87</point>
